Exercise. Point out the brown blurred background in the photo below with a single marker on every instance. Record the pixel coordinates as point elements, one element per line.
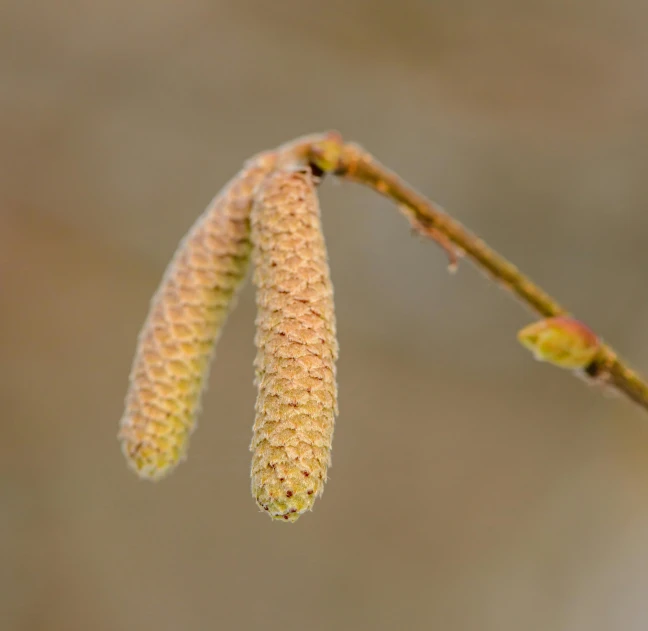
<point>472,488</point>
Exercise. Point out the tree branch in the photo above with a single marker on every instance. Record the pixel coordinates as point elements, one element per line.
<point>349,161</point>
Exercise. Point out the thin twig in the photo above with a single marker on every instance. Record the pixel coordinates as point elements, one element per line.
<point>351,162</point>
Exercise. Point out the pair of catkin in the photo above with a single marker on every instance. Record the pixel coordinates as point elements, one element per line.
<point>270,210</point>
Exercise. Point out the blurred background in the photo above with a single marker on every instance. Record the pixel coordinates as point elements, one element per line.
<point>471,488</point>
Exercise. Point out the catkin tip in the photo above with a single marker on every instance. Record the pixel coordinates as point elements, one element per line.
<point>150,461</point>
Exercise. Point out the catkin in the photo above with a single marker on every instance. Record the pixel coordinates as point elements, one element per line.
<point>185,318</point>
<point>296,347</point>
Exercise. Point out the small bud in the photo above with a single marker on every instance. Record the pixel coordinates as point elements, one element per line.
<point>186,315</point>
<point>561,341</point>
<point>296,347</point>
<point>325,152</point>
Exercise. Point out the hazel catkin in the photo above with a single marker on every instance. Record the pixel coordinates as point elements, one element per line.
<point>185,319</point>
<point>296,347</point>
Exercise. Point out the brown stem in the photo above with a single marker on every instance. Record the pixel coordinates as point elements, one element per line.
<point>621,377</point>
<point>351,162</point>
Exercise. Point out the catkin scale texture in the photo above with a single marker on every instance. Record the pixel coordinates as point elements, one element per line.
<point>184,321</point>
<point>296,347</point>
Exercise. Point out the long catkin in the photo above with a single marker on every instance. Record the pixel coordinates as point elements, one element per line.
<point>296,347</point>
<point>185,319</point>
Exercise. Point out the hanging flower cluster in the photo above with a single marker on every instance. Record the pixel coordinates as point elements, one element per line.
<point>270,210</point>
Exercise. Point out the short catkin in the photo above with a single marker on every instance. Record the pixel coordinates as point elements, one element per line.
<point>296,347</point>
<point>185,319</point>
